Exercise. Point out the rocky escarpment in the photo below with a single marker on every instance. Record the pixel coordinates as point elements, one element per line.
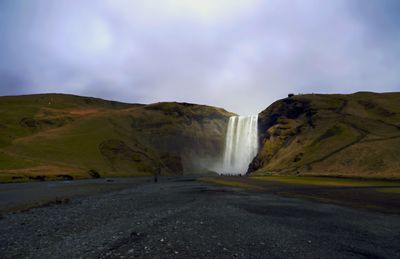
<point>53,135</point>
<point>338,135</point>
<point>193,134</point>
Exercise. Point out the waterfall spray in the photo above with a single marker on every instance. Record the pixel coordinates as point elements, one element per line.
<point>241,144</point>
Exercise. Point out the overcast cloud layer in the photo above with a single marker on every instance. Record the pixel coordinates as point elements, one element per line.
<point>237,54</point>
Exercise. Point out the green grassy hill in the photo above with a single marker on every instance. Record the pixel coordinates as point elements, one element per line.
<point>336,135</point>
<point>55,136</point>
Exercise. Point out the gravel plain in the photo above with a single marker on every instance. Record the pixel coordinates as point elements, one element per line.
<point>184,218</point>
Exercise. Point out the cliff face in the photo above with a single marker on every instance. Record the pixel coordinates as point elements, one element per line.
<point>337,135</point>
<point>55,136</point>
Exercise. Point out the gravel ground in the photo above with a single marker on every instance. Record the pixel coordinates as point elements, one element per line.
<point>22,196</point>
<point>182,218</point>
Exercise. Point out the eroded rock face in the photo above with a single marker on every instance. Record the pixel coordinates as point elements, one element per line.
<point>195,134</point>
<point>278,124</point>
<point>280,112</point>
<point>338,135</point>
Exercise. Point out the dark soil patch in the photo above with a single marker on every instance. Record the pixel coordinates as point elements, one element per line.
<point>38,178</point>
<point>355,197</point>
<point>66,177</point>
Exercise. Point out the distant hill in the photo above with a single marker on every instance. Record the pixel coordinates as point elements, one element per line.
<point>336,135</point>
<point>57,136</point>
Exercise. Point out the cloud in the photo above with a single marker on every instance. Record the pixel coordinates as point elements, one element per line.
<point>240,55</point>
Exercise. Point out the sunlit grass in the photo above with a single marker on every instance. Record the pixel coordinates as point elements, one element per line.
<point>227,183</point>
<point>326,181</point>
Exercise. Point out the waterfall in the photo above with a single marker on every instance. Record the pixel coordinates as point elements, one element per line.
<point>241,144</point>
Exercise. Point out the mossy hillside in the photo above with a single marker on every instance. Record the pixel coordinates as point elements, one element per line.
<point>341,135</point>
<point>71,135</point>
<point>50,110</point>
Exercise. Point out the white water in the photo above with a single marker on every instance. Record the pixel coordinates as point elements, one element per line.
<point>241,144</point>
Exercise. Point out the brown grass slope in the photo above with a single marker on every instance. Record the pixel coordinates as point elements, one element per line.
<point>356,135</point>
<point>56,136</point>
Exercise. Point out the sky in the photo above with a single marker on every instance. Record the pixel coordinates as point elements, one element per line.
<point>237,54</point>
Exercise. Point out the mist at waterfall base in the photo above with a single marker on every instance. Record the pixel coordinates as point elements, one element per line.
<point>241,144</point>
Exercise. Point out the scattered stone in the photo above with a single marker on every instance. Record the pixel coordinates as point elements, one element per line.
<point>135,236</point>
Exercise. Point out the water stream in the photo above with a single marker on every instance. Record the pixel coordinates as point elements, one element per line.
<point>241,144</point>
